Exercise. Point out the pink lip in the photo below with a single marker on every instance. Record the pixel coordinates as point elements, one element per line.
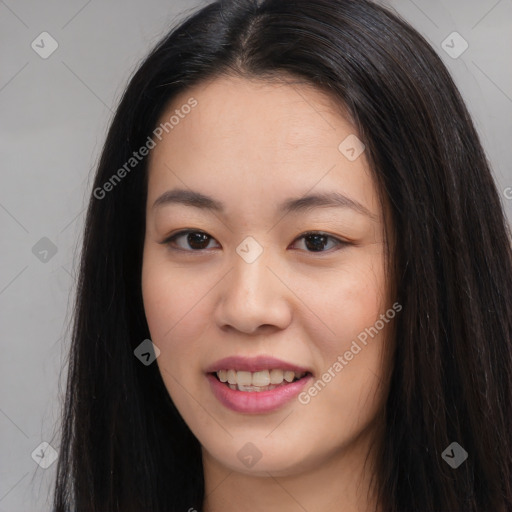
<point>253,364</point>
<point>256,401</point>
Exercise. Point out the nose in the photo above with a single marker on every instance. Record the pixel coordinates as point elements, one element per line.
<point>253,297</point>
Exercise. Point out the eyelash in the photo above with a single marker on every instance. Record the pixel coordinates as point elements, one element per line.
<point>169,240</point>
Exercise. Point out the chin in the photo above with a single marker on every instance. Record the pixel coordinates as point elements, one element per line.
<point>260,457</point>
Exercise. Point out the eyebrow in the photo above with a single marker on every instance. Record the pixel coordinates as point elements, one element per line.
<point>292,205</point>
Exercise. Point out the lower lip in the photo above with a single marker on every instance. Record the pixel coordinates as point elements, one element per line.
<point>256,401</point>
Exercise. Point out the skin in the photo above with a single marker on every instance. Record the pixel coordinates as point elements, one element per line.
<point>252,144</point>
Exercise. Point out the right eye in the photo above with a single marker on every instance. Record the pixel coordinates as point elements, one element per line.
<point>195,240</point>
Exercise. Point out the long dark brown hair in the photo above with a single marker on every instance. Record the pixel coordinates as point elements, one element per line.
<point>125,447</point>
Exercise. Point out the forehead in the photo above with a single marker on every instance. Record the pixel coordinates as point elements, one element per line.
<point>259,140</point>
<point>234,107</point>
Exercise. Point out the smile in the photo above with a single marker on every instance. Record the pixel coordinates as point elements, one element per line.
<point>256,385</point>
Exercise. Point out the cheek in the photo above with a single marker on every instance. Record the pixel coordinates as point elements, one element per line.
<point>176,304</point>
<point>176,319</point>
<point>346,300</point>
<point>350,303</point>
<point>172,300</point>
<point>178,311</point>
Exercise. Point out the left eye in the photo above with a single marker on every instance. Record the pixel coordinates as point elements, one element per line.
<point>314,241</point>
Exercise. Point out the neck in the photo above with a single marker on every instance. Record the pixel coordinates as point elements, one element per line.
<point>338,483</point>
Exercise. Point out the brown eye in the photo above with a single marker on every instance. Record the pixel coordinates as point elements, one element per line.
<point>196,241</point>
<point>193,240</point>
<point>318,241</point>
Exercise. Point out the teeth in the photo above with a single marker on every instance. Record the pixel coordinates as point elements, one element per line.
<point>276,376</point>
<point>254,388</point>
<point>243,378</point>
<point>248,381</point>
<point>261,379</point>
<point>232,376</point>
<point>289,376</point>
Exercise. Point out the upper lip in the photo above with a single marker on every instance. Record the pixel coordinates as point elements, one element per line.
<point>253,364</point>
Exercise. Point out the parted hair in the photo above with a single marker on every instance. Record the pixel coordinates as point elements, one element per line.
<point>125,448</point>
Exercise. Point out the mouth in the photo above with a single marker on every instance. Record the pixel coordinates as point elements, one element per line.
<point>256,385</point>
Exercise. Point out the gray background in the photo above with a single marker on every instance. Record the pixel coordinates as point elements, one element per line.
<point>54,114</point>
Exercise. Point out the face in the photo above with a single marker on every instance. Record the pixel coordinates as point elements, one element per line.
<point>259,282</point>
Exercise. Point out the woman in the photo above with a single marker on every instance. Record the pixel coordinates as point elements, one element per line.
<point>341,337</point>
